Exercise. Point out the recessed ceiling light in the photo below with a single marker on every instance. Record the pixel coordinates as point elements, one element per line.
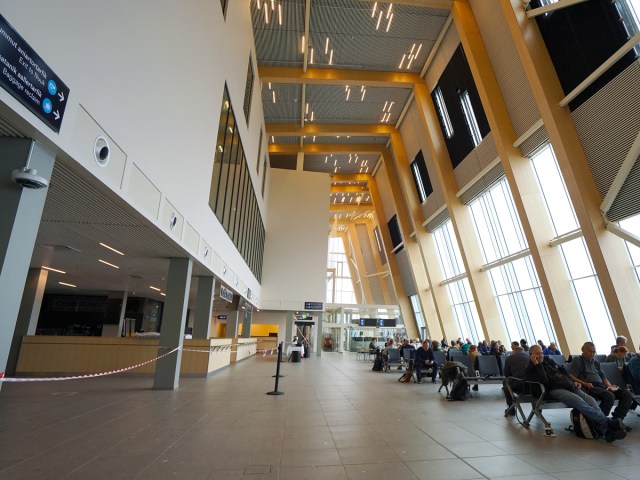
<point>53,269</point>
<point>111,248</point>
<point>67,284</point>
<point>163,294</point>
<point>107,263</point>
<point>154,288</point>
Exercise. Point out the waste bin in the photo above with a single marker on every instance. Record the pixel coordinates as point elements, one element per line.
<point>295,356</point>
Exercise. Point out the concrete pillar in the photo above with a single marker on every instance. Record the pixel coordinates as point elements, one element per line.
<point>19,223</point>
<point>247,315</point>
<point>204,306</point>
<point>28,314</point>
<point>319,336</point>
<point>123,311</point>
<point>288,332</point>
<point>173,323</point>
<point>233,320</point>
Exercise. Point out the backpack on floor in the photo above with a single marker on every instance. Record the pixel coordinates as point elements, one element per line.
<point>378,364</point>
<point>460,389</point>
<point>582,426</point>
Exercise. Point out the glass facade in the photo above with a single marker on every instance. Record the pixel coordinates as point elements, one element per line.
<point>232,197</point>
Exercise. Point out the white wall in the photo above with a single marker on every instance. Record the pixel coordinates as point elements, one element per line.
<point>295,265</point>
<point>150,74</point>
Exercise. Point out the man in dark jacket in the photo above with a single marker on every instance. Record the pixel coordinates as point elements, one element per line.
<point>514,366</point>
<point>561,388</point>
<point>426,359</point>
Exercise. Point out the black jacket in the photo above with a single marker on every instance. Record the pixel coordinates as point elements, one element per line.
<point>550,375</point>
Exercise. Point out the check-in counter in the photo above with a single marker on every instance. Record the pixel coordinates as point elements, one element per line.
<point>62,355</point>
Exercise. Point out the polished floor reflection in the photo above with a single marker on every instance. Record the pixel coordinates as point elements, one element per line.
<point>336,420</point>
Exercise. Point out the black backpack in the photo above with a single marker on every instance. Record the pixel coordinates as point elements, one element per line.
<point>582,426</point>
<point>378,364</point>
<point>460,389</point>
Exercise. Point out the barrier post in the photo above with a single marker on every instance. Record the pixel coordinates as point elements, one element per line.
<point>275,391</point>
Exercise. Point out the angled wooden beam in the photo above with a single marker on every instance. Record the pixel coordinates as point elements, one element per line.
<point>349,207</point>
<point>327,148</point>
<point>348,189</point>
<point>329,130</point>
<point>356,177</point>
<point>444,4</point>
<point>332,76</point>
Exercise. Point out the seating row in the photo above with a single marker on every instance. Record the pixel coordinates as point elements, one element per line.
<point>522,393</point>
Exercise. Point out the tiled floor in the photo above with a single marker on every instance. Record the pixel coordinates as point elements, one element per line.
<point>337,420</point>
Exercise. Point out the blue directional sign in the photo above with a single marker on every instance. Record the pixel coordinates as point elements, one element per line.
<point>313,305</point>
<point>29,79</point>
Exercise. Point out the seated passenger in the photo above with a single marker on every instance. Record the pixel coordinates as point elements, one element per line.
<point>484,348</point>
<point>585,370</point>
<point>561,388</point>
<point>552,349</point>
<point>524,344</point>
<point>514,366</point>
<point>474,354</point>
<point>465,346</point>
<point>426,359</point>
<point>634,370</point>
<point>618,356</point>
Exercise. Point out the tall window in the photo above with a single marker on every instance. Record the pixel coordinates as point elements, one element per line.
<point>470,118</point>
<point>232,197</point>
<point>458,289</point>
<point>516,286</point>
<point>421,177</point>
<point>633,225</point>
<point>554,191</point>
<point>442,113</point>
<point>497,223</point>
<point>339,282</point>
<point>587,287</point>
<point>417,313</point>
<point>248,90</point>
<point>584,281</point>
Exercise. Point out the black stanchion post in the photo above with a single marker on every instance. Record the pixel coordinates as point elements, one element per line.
<point>275,391</point>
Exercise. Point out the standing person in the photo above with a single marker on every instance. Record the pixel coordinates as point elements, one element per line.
<point>586,371</point>
<point>426,359</point>
<point>561,388</point>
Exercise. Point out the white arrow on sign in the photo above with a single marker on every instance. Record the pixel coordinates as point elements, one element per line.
<point>61,95</point>
<point>56,115</point>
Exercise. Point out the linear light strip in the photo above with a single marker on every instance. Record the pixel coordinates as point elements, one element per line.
<point>53,269</point>
<point>110,264</point>
<point>111,248</point>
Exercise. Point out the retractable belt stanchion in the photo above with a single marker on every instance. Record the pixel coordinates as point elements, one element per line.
<point>275,391</point>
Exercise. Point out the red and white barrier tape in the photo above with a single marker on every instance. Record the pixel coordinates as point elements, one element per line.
<point>89,375</point>
<point>214,349</point>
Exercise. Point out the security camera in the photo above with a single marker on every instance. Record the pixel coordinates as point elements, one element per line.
<point>29,178</point>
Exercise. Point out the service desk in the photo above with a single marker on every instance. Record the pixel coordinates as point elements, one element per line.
<point>62,355</point>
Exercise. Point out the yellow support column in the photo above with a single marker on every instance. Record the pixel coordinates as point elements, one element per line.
<point>526,195</point>
<point>389,298</point>
<point>362,270</point>
<point>461,220</point>
<point>427,296</point>
<point>402,298</point>
<point>608,255</point>
<point>418,270</point>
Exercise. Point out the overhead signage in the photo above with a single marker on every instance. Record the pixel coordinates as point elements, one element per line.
<point>221,317</point>
<point>29,79</point>
<point>313,305</point>
<point>226,294</point>
<point>378,322</point>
